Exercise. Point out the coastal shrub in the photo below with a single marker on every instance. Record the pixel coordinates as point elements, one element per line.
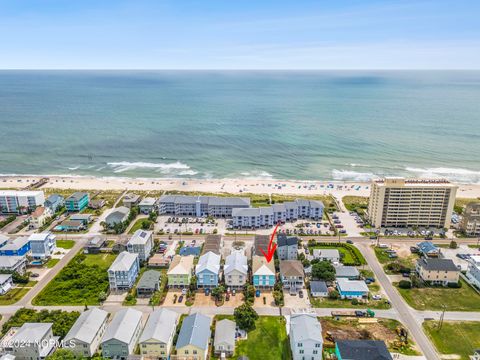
<point>62,320</point>
<point>334,295</point>
<point>354,301</point>
<point>405,284</point>
<point>80,282</point>
<point>454,285</point>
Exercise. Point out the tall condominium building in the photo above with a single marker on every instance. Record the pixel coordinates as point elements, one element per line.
<point>399,202</point>
<point>18,202</point>
<point>470,223</point>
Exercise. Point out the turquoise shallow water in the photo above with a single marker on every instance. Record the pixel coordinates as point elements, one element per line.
<point>302,125</point>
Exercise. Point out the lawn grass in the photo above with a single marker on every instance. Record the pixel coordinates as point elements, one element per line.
<point>65,244</point>
<point>14,295</point>
<point>51,263</point>
<point>459,337</point>
<point>137,225</point>
<point>268,341</point>
<point>433,298</point>
<point>79,283</point>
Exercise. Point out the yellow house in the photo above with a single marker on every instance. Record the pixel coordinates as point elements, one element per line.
<point>180,271</point>
<point>437,271</point>
<point>156,340</point>
<point>194,337</point>
<point>39,216</point>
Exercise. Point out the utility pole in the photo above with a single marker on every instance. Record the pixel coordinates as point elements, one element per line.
<point>442,316</point>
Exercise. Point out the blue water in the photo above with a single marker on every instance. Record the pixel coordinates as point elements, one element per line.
<point>302,125</point>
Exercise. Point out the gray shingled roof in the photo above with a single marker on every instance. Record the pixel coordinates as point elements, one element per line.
<point>435,264</point>
<point>123,326</point>
<point>149,279</point>
<point>363,350</point>
<point>284,240</point>
<point>87,325</point>
<point>318,286</point>
<point>160,326</point>
<point>346,271</point>
<point>225,333</point>
<point>195,331</point>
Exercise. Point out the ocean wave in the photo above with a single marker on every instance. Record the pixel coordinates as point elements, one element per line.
<point>256,174</point>
<point>453,174</point>
<point>164,168</point>
<point>348,175</point>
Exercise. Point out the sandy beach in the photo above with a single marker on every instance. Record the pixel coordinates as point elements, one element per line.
<point>234,186</point>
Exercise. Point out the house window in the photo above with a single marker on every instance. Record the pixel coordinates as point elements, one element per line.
<point>300,351</point>
<point>299,344</point>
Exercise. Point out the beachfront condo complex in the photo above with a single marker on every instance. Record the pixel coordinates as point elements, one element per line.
<point>199,206</point>
<point>400,202</point>
<point>19,202</point>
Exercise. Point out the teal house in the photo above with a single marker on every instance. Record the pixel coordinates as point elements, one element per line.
<point>77,201</point>
<point>263,272</point>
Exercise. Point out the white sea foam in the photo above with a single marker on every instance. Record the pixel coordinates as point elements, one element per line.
<point>164,168</point>
<point>453,174</point>
<point>348,175</point>
<point>256,174</point>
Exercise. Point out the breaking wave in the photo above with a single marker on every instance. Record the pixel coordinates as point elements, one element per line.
<point>176,168</point>
<point>452,174</point>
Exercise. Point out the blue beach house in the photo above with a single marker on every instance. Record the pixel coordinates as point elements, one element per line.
<point>208,270</point>
<point>352,289</point>
<point>263,272</point>
<point>124,271</point>
<point>77,201</point>
<point>54,202</point>
<point>18,247</point>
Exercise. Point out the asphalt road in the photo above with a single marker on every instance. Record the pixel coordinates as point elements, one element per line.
<point>405,313</point>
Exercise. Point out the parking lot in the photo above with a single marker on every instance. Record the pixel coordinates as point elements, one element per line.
<point>196,226</point>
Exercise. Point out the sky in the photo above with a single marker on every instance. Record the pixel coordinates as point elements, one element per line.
<point>239,34</point>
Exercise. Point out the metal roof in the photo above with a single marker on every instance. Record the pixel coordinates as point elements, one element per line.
<point>210,262</point>
<point>195,331</point>
<point>236,261</point>
<point>346,285</point>
<point>123,326</point>
<point>140,237</point>
<point>305,327</point>
<point>31,332</point>
<point>87,325</point>
<point>284,240</point>
<point>346,271</point>
<point>123,261</point>
<point>160,326</point>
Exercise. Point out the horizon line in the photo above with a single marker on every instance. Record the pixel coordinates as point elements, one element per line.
<point>227,69</point>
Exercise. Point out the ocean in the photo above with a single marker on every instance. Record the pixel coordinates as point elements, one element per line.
<point>315,125</point>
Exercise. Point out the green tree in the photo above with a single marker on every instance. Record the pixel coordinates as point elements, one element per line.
<point>245,317</point>
<point>64,354</point>
<point>249,294</point>
<point>334,295</point>
<point>453,244</point>
<point>218,292</point>
<point>278,298</point>
<point>323,270</point>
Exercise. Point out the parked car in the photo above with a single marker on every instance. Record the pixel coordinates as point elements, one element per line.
<point>349,241</point>
<point>180,298</point>
<point>300,294</point>
<point>257,293</point>
<point>184,291</point>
